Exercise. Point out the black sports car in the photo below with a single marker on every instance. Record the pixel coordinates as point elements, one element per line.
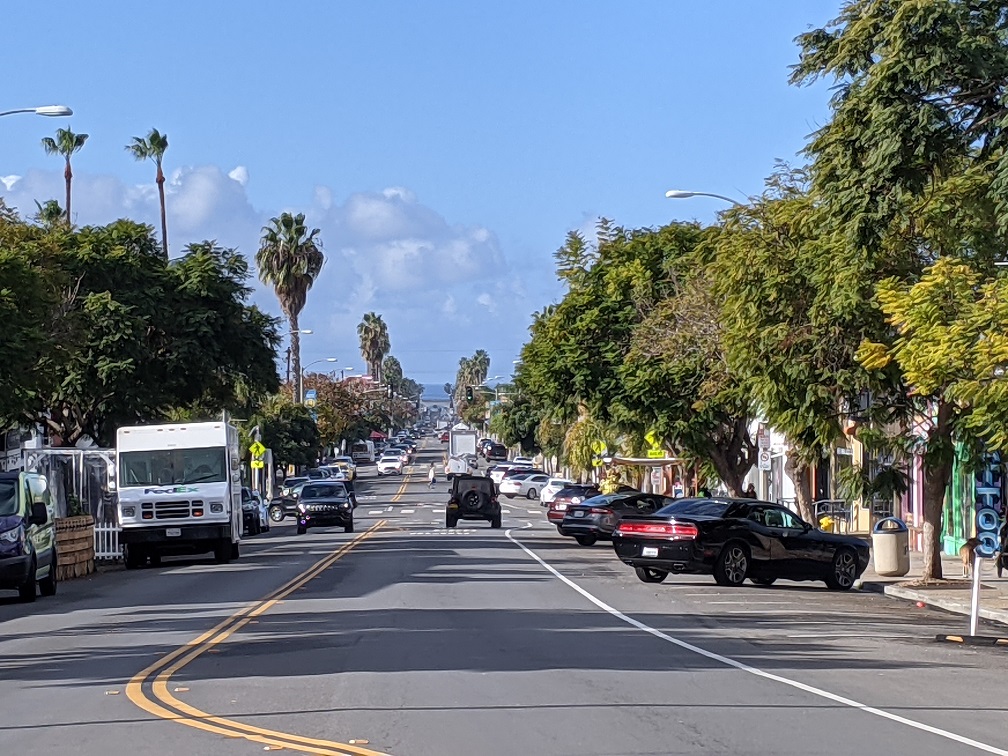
<point>736,539</point>
<point>324,503</point>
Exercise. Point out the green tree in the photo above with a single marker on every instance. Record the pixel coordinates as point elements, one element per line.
<point>392,373</point>
<point>153,147</point>
<point>290,259</point>
<point>65,144</point>
<point>517,424</point>
<point>374,342</point>
<point>289,431</point>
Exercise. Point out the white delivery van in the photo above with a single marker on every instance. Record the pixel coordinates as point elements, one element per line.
<point>179,491</point>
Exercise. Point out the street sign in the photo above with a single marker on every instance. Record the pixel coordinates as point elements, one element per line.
<point>764,459</point>
<point>257,449</point>
<point>656,453</point>
<point>310,397</point>
<point>763,438</point>
<point>258,464</point>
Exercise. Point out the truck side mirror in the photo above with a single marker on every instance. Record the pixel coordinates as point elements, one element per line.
<point>39,514</point>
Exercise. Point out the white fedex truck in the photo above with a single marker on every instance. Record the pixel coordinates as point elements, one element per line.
<point>179,491</point>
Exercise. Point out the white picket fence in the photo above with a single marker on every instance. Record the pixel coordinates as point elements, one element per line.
<point>106,541</point>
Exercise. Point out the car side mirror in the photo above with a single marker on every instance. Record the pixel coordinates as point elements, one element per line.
<point>39,514</point>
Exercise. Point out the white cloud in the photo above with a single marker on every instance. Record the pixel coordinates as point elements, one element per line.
<point>433,281</point>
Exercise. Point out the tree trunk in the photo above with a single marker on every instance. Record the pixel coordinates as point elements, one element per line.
<point>800,474</point>
<point>296,357</point>
<point>164,223</point>
<point>734,459</point>
<point>937,474</point>
<point>68,175</point>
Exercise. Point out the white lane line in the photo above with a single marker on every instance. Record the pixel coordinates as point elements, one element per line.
<point>729,662</point>
<point>375,511</point>
<point>407,511</point>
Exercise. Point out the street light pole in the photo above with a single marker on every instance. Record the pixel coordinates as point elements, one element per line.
<point>303,372</point>
<point>51,111</point>
<point>680,194</point>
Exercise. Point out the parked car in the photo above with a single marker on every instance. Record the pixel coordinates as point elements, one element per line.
<point>347,465</point>
<point>735,539</point>
<point>598,516</point>
<point>255,518</point>
<point>496,473</point>
<point>391,463</point>
<point>483,445</point>
<point>444,437</point>
<point>552,487</point>
<point>526,484</point>
<point>316,473</point>
<point>526,461</point>
<point>27,535</point>
<point>325,503</point>
<point>516,471</point>
<point>472,497</point>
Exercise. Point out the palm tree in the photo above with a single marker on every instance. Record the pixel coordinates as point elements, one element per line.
<point>153,148</point>
<point>49,215</point>
<point>290,258</point>
<point>66,144</point>
<point>481,365</point>
<point>374,342</point>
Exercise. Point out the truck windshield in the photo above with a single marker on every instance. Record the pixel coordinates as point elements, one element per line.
<point>8,498</point>
<point>166,467</point>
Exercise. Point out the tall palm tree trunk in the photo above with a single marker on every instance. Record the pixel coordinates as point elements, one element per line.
<point>164,223</point>
<point>68,175</point>
<point>296,356</point>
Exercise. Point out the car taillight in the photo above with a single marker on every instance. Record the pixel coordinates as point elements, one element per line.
<point>598,511</point>
<point>670,530</point>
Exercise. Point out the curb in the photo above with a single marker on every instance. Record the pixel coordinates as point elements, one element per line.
<point>933,598</point>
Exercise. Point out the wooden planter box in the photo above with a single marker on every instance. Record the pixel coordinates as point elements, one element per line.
<point>75,547</point>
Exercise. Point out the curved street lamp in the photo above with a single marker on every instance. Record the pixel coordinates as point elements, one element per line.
<point>303,371</point>
<point>681,194</point>
<point>52,111</point>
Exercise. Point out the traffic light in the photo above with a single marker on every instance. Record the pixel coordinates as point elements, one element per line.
<point>469,393</point>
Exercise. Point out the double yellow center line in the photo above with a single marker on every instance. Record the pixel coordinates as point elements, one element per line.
<point>166,706</point>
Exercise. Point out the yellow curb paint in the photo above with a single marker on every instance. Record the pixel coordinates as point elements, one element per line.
<point>171,663</point>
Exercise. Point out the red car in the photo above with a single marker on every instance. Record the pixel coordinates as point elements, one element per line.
<point>567,496</point>
<point>444,437</point>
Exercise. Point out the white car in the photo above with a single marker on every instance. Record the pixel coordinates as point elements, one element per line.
<point>552,488</point>
<point>390,464</point>
<point>497,474</point>
<point>524,461</point>
<point>528,486</point>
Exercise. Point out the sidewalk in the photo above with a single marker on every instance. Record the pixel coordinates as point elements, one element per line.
<point>954,596</point>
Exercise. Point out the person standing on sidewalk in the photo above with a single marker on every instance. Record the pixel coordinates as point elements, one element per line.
<point>431,477</point>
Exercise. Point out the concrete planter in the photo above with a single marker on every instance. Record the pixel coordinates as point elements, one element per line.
<point>75,547</point>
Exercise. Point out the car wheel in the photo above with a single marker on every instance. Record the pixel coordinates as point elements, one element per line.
<point>155,559</point>
<point>302,529</point>
<point>650,574</point>
<point>276,513</point>
<point>766,582</point>
<point>47,585</point>
<point>732,564</point>
<point>586,540</point>
<point>495,522</point>
<point>532,493</point>
<point>450,522</point>
<point>843,571</point>
<point>560,530</point>
<point>26,591</point>
<point>348,528</point>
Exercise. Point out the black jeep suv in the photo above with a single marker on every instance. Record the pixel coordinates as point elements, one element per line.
<point>473,497</point>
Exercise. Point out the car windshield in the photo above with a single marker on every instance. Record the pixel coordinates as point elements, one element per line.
<point>700,507</point>
<point>323,491</point>
<point>8,497</point>
<point>166,467</point>
<point>602,500</point>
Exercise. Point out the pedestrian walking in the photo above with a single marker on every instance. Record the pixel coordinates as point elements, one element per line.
<point>431,477</point>
<point>750,492</point>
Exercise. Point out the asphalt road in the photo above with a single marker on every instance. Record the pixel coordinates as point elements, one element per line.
<point>406,638</point>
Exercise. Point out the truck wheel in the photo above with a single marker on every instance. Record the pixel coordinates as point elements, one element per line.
<point>155,559</point>
<point>348,528</point>
<point>495,522</point>
<point>133,556</point>
<point>222,551</point>
<point>450,522</point>
<point>235,553</point>
<point>301,529</point>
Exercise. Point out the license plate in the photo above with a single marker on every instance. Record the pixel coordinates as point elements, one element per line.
<point>649,551</point>
<point>173,532</point>
<point>579,513</point>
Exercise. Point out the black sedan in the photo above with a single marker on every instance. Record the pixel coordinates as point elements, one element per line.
<point>737,539</point>
<point>324,503</point>
<point>598,516</point>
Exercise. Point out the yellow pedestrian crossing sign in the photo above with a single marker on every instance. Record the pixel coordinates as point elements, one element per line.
<point>257,449</point>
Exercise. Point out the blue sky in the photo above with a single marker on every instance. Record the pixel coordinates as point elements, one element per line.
<point>443,148</point>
